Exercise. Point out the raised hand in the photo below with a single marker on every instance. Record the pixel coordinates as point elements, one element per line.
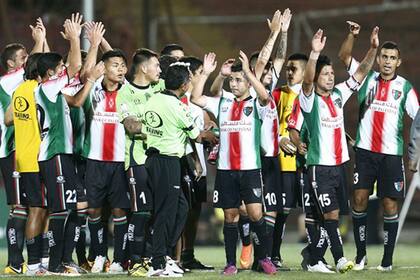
<point>374,37</point>
<point>285,20</point>
<point>354,27</point>
<point>209,63</point>
<point>97,71</point>
<point>72,27</point>
<point>245,61</point>
<point>275,23</point>
<point>96,33</point>
<point>225,70</point>
<point>318,41</point>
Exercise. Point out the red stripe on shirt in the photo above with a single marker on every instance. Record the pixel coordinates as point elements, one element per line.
<point>184,100</point>
<point>338,149</point>
<point>379,117</point>
<point>109,132</point>
<point>234,137</point>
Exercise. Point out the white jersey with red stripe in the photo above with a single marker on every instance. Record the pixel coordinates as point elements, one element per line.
<point>198,117</point>
<point>381,117</point>
<point>105,135</point>
<point>8,84</point>
<point>296,118</point>
<point>270,131</point>
<point>325,121</point>
<point>240,131</point>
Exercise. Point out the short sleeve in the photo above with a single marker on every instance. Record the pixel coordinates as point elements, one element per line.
<point>354,64</point>
<point>12,80</point>
<point>412,103</point>
<point>53,87</point>
<point>262,110</point>
<point>122,105</point>
<point>186,121</point>
<point>296,117</point>
<point>307,102</point>
<point>212,105</point>
<point>346,89</point>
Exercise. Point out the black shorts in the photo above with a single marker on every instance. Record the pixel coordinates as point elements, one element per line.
<point>308,201</point>
<point>80,164</point>
<point>325,182</point>
<point>342,192</point>
<point>233,186</point>
<point>140,194</point>
<point>272,190</point>
<point>106,181</point>
<point>59,176</point>
<point>386,170</point>
<point>34,190</point>
<point>290,189</point>
<point>14,192</point>
<point>195,191</point>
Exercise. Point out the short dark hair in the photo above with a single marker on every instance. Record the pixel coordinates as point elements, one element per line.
<point>31,67</point>
<point>390,45</point>
<point>48,61</point>
<point>236,66</point>
<point>322,61</point>
<point>176,76</point>
<point>140,56</point>
<point>298,56</point>
<point>9,53</point>
<point>165,61</point>
<point>194,62</point>
<point>171,47</point>
<point>114,53</point>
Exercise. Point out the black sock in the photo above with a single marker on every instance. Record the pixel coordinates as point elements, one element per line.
<point>230,232</point>
<point>56,239</point>
<point>9,228</point>
<point>335,239</point>
<point>45,245</point>
<point>20,215</point>
<point>71,236</point>
<point>324,241</point>
<point>97,234</point>
<point>34,248</point>
<point>390,235</point>
<point>278,233</point>
<point>258,229</point>
<point>244,232</point>
<point>359,231</point>
<point>136,235</point>
<point>81,243</point>
<point>269,228</point>
<point>314,240</point>
<point>120,239</point>
<point>187,255</point>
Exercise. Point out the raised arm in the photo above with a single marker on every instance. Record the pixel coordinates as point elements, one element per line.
<point>318,44</point>
<point>217,85</point>
<point>367,63</point>
<point>262,94</point>
<point>72,30</point>
<point>280,57</point>
<point>94,36</point>
<point>267,49</point>
<point>209,65</point>
<point>347,46</point>
<point>38,35</point>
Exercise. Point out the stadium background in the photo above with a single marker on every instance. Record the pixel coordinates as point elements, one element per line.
<point>225,27</point>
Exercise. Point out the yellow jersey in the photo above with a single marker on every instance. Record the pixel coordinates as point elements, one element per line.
<point>27,134</point>
<point>285,97</point>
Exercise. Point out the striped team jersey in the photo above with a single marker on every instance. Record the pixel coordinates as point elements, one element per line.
<point>297,121</point>
<point>54,118</point>
<point>270,131</point>
<point>381,116</point>
<point>27,134</point>
<point>240,131</point>
<point>8,84</point>
<point>105,135</point>
<point>285,96</point>
<point>325,122</point>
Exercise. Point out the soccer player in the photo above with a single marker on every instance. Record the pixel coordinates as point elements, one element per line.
<point>382,99</point>
<point>414,144</point>
<point>13,59</point>
<point>239,161</point>
<point>104,149</point>
<point>168,124</point>
<point>197,189</point>
<point>173,50</point>
<point>322,106</point>
<point>131,99</point>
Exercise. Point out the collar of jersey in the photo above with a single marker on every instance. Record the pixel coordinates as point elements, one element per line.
<point>106,90</point>
<point>139,87</point>
<point>246,99</point>
<point>168,92</point>
<point>379,78</point>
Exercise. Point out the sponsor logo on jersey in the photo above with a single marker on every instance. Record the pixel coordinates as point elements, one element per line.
<point>21,104</point>
<point>248,110</point>
<point>399,186</point>
<point>153,119</point>
<point>396,94</point>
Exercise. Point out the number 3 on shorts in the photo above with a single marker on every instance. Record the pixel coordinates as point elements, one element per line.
<point>355,178</point>
<point>215,196</point>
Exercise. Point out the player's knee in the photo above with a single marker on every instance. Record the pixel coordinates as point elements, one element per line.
<point>94,212</point>
<point>390,206</point>
<point>360,202</point>
<point>118,212</point>
<point>255,215</point>
<point>231,215</point>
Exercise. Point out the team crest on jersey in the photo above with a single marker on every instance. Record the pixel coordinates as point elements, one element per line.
<point>224,109</point>
<point>257,192</point>
<point>338,103</point>
<point>399,186</point>
<point>396,94</point>
<point>248,110</point>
